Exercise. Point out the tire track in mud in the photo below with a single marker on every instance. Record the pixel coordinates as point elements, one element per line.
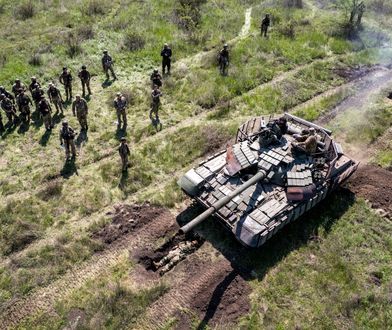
<point>187,285</point>
<point>43,299</point>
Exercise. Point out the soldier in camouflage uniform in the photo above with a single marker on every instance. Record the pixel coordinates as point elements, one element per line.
<point>107,65</point>
<point>85,77</point>
<point>265,23</point>
<point>223,60</point>
<point>175,256</point>
<point>156,78</point>
<point>120,104</point>
<point>7,94</point>
<point>80,110</point>
<point>46,112</point>
<point>155,103</point>
<point>36,93</point>
<point>166,54</point>
<point>67,136</point>
<point>34,83</point>
<point>124,152</point>
<point>66,80</point>
<point>17,87</point>
<point>9,108</point>
<point>55,98</point>
<point>307,144</point>
<point>24,102</point>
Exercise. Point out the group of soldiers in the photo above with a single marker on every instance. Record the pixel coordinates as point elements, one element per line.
<point>19,100</point>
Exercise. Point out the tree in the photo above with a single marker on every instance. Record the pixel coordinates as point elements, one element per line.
<point>353,11</point>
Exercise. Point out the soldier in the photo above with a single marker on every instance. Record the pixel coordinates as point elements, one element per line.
<point>155,102</point>
<point>265,23</point>
<point>55,97</point>
<point>309,146</point>
<point>24,102</point>
<point>166,54</point>
<point>46,112</point>
<point>66,80</point>
<point>107,65</point>
<point>156,78</point>
<point>85,77</point>
<point>120,104</point>
<point>34,83</point>
<point>80,110</point>
<point>124,152</point>
<point>9,108</point>
<point>17,87</point>
<point>67,136</point>
<point>179,253</point>
<point>7,94</point>
<point>224,59</point>
<point>36,93</point>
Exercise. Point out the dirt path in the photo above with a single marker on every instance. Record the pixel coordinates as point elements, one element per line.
<point>248,20</point>
<point>365,90</point>
<point>43,299</point>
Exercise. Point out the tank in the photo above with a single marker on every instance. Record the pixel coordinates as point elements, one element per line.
<point>263,182</point>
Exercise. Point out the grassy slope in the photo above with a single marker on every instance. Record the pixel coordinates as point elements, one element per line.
<point>43,205</point>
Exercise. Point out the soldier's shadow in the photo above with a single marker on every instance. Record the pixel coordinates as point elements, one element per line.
<point>9,129</point>
<point>123,180</point>
<point>57,117</point>
<point>23,128</point>
<point>36,119</point>
<point>45,138</point>
<point>120,132</point>
<point>82,137</point>
<point>256,263</point>
<point>107,83</point>
<point>69,169</point>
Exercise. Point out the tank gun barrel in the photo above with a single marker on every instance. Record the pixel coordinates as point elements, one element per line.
<point>222,202</point>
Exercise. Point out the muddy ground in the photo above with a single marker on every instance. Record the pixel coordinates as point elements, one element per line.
<point>374,184</point>
<point>128,218</point>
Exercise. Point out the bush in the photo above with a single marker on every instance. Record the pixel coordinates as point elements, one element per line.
<point>73,45</point>
<point>35,60</point>
<point>85,32</point>
<point>133,41</point>
<point>95,7</point>
<point>25,10</point>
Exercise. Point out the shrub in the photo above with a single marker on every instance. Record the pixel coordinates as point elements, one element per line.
<point>25,10</point>
<point>133,41</point>
<point>95,7</point>
<point>35,60</point>
<point>73,45</point>
<point>85,32</point>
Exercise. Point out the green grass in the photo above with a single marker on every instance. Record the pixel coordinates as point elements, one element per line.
<point>41,198</point>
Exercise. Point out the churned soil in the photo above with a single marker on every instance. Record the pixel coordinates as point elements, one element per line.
<point>374,184</point>
<point>128,218</point>
<point>222,301</point>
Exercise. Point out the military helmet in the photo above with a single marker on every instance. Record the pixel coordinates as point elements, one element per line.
<point>77,95</point>
<point>166,44</point>
<point>17,80</point>
<point>123,139</point>
<point>2,96</point>
<point>64,68</point>
<point>225,45</point>
<point>65,123</point>
<point>50,84</point>
<point>2,88</point>
<point>156,71</point>
<point>33,78</point>
<point>105,51</point>
<point>118,94</point>
<point>84,67</point>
